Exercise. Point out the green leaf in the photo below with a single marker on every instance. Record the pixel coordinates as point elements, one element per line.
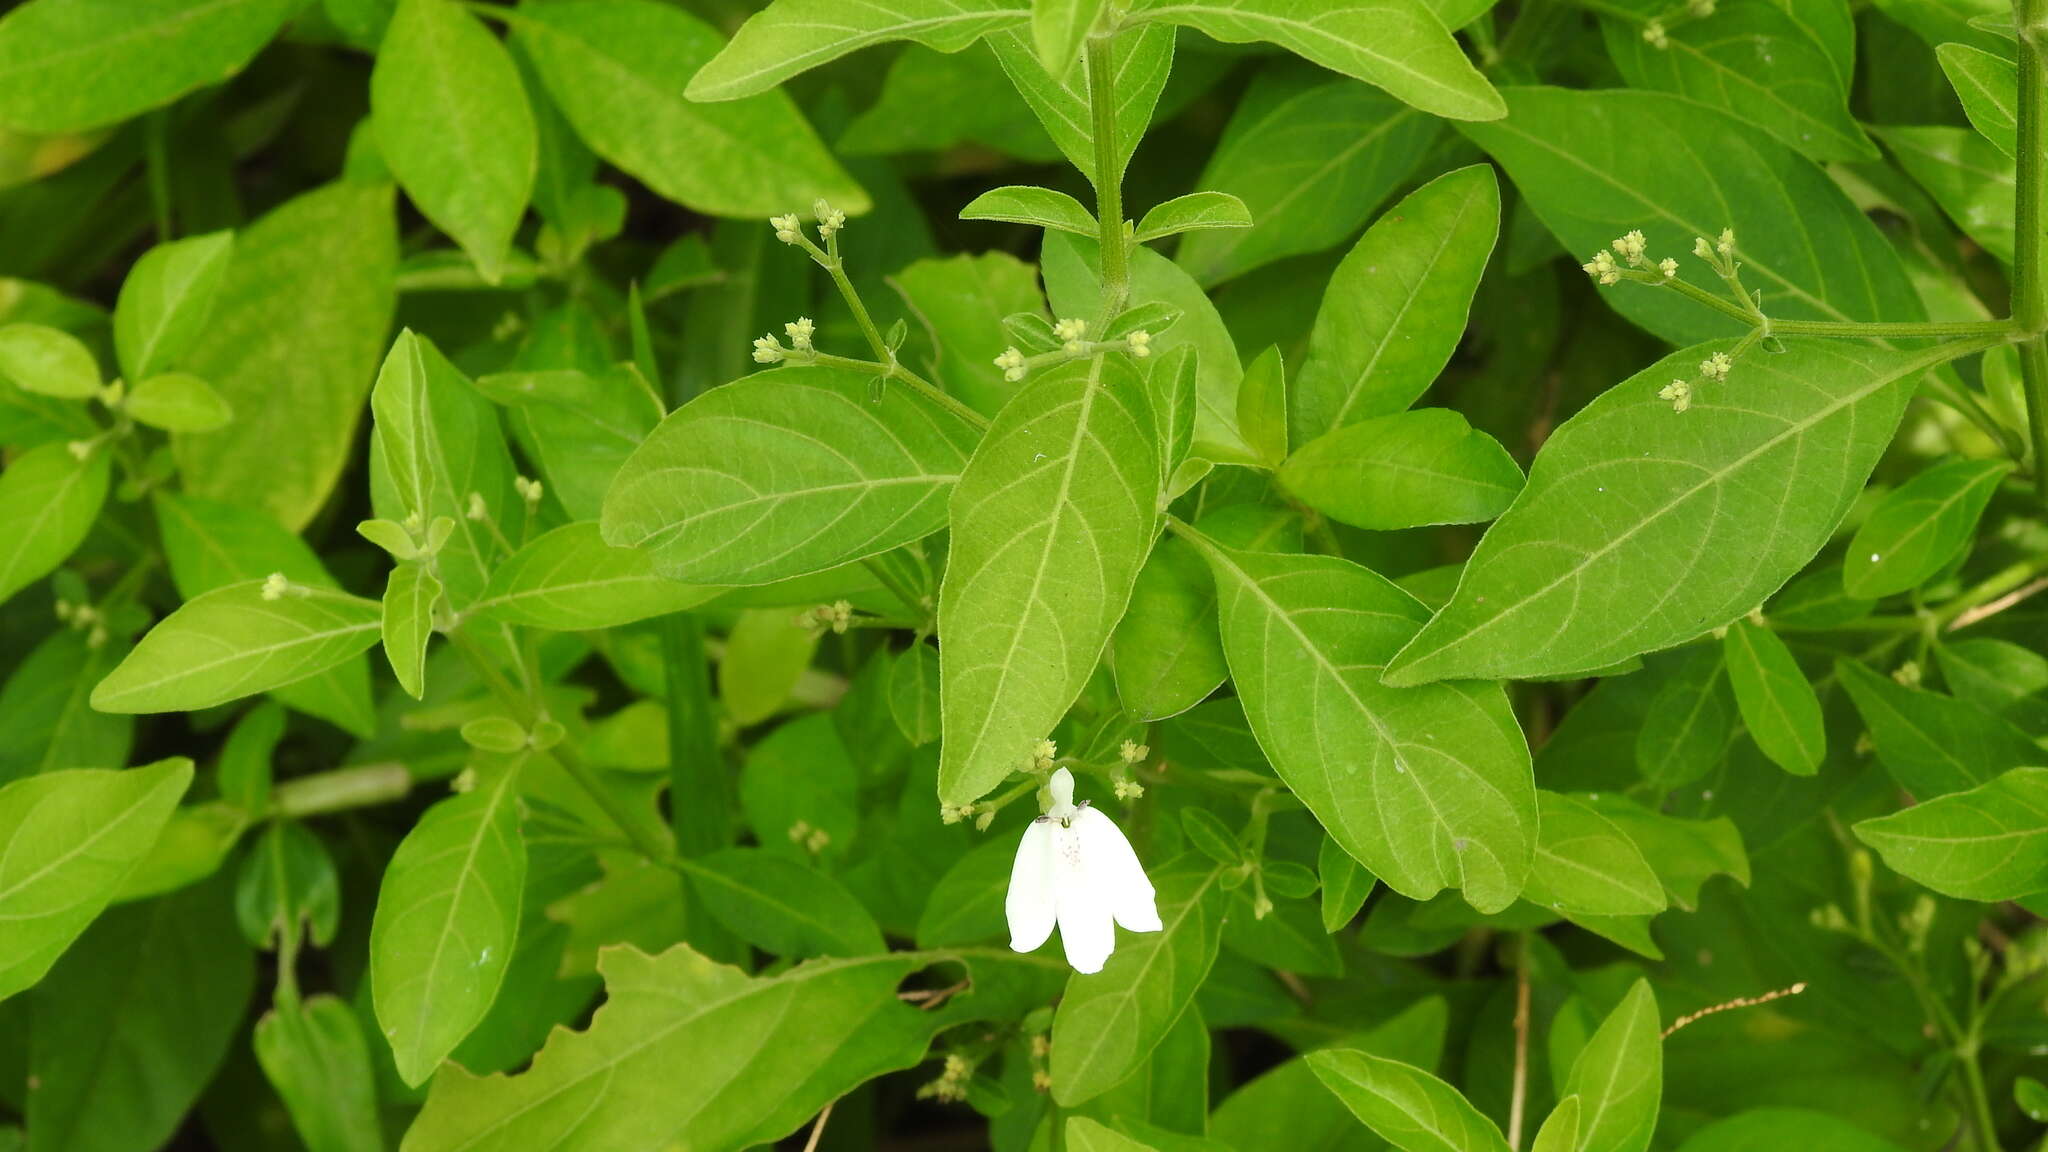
<point>962,300</point>
<point>914,694</point>
<point>569,580</point>
<point>71,65</point>
<point>1434,789</point>
<point>48,362</point>
<point>441,449</point>
<point>1641,527</point>
<point>765,654</point>
<point>288,886</point>
<point>1967,175</point>
<point>1038,207</point>
<point>453,124</point>
<point>1581,160</point>
<point>1779,705</point>
<point>447,918</point>
<point>1989,86</point>
<point>1989,843</point>
<point>580,426</point>
<point>1310,165</point>
<point>1288,1107</point>
<point>1140,59</point>
<point>1262,408</point>
<point>133,1023</point>
<point>793,36</point>
<point>234,642</point>
<point>72,838</point>
<point>1398,45</point>
<point>1192,212</point>
<point>781,905</point>
<point>785,473</point>
<point>1785,1127</point>
<point>314,1055</point>
<point>1059,28</point>
<point>1996,675</point>
<point>1345,884</point>
<point>1560,1130</point>
<point>1933,744</point>
<point>1108,1023</point>
<point>1619,1077</point>
<point>292,343</point>
<point>179,402</point>
<point>409,597</point>
<point>1051,521</point>
<point>1409,1108</point>
<point>1753,60</point>
<point>1586,866</point>
<point>614,68</point>
<point>1085,1135</point>
<point>1917,529</point>
<point>1395,309</point>
<point>49,499</point>
<point>166,300</point>
<point>45,722</point>
<point>1691,719</point>
<point>1409,469</point>
<point>688,1052</point>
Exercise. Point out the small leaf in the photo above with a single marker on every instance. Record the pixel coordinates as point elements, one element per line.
<point>1619,1077</point>
<point>1059,28</point>
<point>1262,408</point>
<point>179,402</point>
<point>569,580</point>
<point>1586,866</point>
<point>781,905</point>
<point>1140,58</point>
<point>1967,175</point>
<point>914,694</point>
<point>1039,207</point>
<point>446,922</point>
<point>1345,884</point>
<point>166,300</point>
<point>1691,719</point>
<point>49,499</point>
<point>234,642</point>
<point>1560,1131</point>
<point>500,734</point>
<point>1210,837</point>
<point>314,1055</point>
<point>1194,211</point>
<point>792,36</point>
<point>288,886</point>
<point>1989,843</point>
<point>1778,703</point>
<point>72,837</point>
<point>1917,529</point>
<point>1989,86</point>
<point>1426,466</point>
<point>1930,743</point>
<point>409,597</point>
<point>1409,1108</point>
<point>48,362</point>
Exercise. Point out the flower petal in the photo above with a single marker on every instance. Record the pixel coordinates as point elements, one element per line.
<point>1030,903</point>
<point>1114,869</point>
<point>1087,926</point>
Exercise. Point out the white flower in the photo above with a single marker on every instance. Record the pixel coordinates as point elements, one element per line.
<point>1075,869</point>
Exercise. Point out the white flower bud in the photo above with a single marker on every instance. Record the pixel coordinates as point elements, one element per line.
<point>800,331</point>
<point>1012,364</point>
<point>1631,246</point>
<point>1139,343</point>
<point>1070,332</point>
<point>787,229</point>
<point>1679,393</point>
<point>477,509</point>
<point>767,350</point>
<point>1668,267</point>
<point>830,219</point>
<point>275,586</point>
<point>1716,367</point>
<point>1602,268</point>
<point>1654,36</point>
<point>1726,244</point>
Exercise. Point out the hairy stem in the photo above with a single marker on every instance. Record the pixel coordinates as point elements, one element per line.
<point>1109,177</point>
<point>2030,210</point>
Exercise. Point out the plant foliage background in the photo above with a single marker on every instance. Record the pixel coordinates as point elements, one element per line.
<point>1528,515</point>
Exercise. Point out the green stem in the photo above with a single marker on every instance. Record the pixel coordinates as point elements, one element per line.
<point>837,268</point>
<point>1884,330</point>
<point>1109,179</point>
<point>362,786</point>
<point>698,806</point>
<point>2030,211</point>
<point>1999,583</point>
<point>890,369</point>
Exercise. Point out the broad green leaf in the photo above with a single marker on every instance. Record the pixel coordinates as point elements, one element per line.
<point>1038,207</point>
<point>292,344</point>
<point>1642,527</point>
<point>785,473</point>
<point>1051,521</point>
<point>447,918</point>
<point>1398,45</point>
<point>1586,866</point>
<point>934,101</point>
<point>1619,1077</point>
<point>1395,309</point>
<point>580,427</point>
<point>235,641</point>
<point>1989,843</point>
<point>962,300</point>
<point>1345,884</point>
<point>1059,28</point>
<point>134,1022</point>
<point>1310,165</point>
<point>1918,527</point>
<point>1582,161</point>
<point>914,694</point>
<point>1779,706</point>
<point>1141,58</point>
<point>1753,60</point>
<point>1801,1128</point>
<point>439,444</point>
<point>690,1053</point>
<point>1193,212</point>
<point>570,580</point>
<point>1109,1023</point>
<point>314,1055</point>
<point>1262,408</point>
<point>45,722</point>
<point>793,36</point>
<point>48,362</point>
<point>1413,468</point>
<point>166,300</point>
<point>1432,786</point>
<point>70,65</point>
<point>1989,87</point>
<point>1691,719</point>
<point>453,124</point>
<point>1409,1108</point>
<point>409,597</point>
<point>179,402</point>
<point>48,501</point>
<point>210,545</point>
<point>1967,175</point>
<point>782,906</point>
<point>72,837</point>
<point>615,68</point>
<point>1930,743</point>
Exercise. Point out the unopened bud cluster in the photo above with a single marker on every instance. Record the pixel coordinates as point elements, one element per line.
<point>1072,333</point>
<point>85,618</point>
<point>812,840</point>
<point>1635,263</point>
<point>835,617</point>
<point>951,1086</point>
